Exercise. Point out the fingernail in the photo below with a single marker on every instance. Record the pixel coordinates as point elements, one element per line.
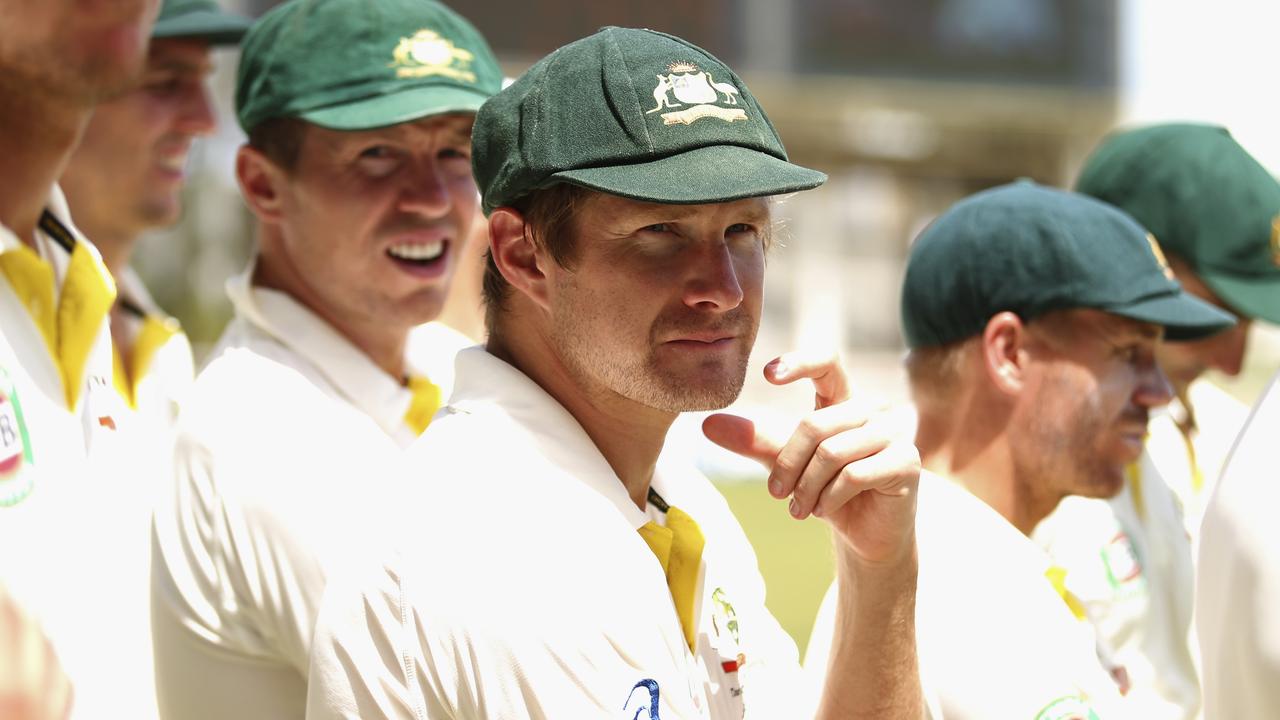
<point>795,509</point>
<point>780,368</point>
<point>775,488</point>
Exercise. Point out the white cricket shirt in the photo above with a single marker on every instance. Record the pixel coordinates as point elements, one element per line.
<point>515,585</point>
<point>1129,562</point>
<point>73,512</point>
<point>1191,463</point>
<point>280,451</point>
<point>1238,589</point>
<point>995,641</point>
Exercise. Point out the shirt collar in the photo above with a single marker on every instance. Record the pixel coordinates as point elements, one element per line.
<point>486,385</point>
<point>46,247</point>
<point>351,373</point>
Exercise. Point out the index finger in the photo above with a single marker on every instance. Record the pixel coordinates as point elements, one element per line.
<point>830,382</point>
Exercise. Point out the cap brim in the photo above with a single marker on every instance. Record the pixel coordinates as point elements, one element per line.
<point>1182,316</point>
<point>716,173</point>
<point>1254,297</point>
<point>399,107</point>
<point>218,28</point>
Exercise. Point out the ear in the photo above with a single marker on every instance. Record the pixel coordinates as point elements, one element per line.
<point>1004,352</point>
<point>261,181</point>
<point>517,256</point>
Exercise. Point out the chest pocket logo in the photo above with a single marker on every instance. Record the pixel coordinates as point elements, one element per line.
<point>15,446</point>
<point>642,703</point>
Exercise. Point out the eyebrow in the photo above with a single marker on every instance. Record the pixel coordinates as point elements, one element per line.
<point>180,66</point>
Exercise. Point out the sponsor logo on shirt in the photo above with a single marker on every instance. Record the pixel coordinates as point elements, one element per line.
<point>1070,707</point>
<point>15,445</point>
<point>1121,561</point>
<point>642,703</point>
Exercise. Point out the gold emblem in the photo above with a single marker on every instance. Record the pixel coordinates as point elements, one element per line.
<point>425,53</point>
<point>1275,241</point>
<point>685,84</point>
<point>1161,260</point>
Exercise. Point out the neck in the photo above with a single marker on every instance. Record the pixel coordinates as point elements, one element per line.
<point>629,435</point>
<point>972,449</point>
<point>37,134</point>
<point>115,247</point>
<point>381,342</point>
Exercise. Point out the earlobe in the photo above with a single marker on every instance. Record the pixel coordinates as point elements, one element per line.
<point>516,255</point>
<point>1004,356</point>
<point>259,181</point>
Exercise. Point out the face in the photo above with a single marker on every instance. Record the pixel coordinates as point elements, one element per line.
<point>1092,382</point>
<point>1183,362</point>
<point>85,50</point>
<point>661,303</point>
<point>371,222</point>
<point>127,172</point>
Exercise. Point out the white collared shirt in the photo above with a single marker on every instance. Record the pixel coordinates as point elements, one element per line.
<point>1238,588</point>
<point>281,449</point>
<point>515,585</point>
<point>1129,562</point>
<point>995,641</point>
<point>73,518</point>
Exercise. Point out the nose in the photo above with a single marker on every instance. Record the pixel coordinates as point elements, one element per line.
<point>712,283</point>
<point>426,191</point>
<point>1226,349</point>
<point>196,116</point>
<point>1154,388</point>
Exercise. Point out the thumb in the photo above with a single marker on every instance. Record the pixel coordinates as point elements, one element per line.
<point>739,435</point>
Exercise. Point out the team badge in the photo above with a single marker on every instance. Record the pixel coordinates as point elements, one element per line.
<point>642,703</point>
<point>426,53</point>
<point>1160,258</point>
<point>692,94</point>
<point>15,446</point>
<point>1070,707</point>
<point>1121,561</point>
<point>1275,241</point>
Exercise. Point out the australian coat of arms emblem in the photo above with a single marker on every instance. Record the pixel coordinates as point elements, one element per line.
<point>692,94</point>
<point>426,53</point>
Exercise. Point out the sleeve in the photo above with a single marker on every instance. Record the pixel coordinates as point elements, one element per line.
<point>359,665</point>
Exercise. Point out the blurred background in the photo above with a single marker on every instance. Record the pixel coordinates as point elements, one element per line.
<point>908,106</point>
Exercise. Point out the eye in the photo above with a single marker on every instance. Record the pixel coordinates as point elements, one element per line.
<point>376,152</point>
<point>657,228</point>
<point>163,86</point>
<point>455,153</point>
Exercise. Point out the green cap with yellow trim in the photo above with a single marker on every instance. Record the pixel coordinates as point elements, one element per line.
<point>1205,199</point>
<point>199,20</point>
<point>1029,250</point>
<point>362,64</point>
<point>635,113</point>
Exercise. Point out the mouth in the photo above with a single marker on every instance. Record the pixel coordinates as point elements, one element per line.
<point>421,258</point>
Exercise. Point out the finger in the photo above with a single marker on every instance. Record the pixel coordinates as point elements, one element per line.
<point>830,382</point>
<point>739,435</point>
<point>816,427</point>
<point>893,471</point>
<point>829,458</point>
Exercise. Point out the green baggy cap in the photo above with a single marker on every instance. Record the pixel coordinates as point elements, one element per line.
<point>1205,199</point>
<point>200,20</point>
<point>1029,249</point>
<point>635,113</point>
<point>362,64</point>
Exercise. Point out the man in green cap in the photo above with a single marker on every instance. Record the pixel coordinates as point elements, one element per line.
<point>357,168</point>
<point>1032,316</point>
<point>1215,212</point>
<point>547,563</point>
<point>59,624</point>
<point>125,178</point>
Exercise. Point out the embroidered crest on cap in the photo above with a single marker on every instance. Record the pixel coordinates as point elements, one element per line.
<point>1160,258</point>
<point>426,53</point>
<point>1275,241</point>
<point>694,87</point>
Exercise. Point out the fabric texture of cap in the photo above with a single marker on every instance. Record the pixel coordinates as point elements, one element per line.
<point>199,20</point>
<point>362,64</point>
<point>1028,249</point>
<point>1205,199</point>
<point>634,113</point>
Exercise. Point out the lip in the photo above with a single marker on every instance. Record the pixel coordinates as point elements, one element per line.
<point>702,341</point>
